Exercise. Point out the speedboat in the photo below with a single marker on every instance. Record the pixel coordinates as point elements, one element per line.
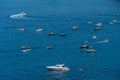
<point>51,34</point>
<point>39,30</point>
<point>58,67</point>
<point>22,29</point>
<point>20,15</point>
<point>98,24</point>
<point>90,50</point>
<point>26,50</point>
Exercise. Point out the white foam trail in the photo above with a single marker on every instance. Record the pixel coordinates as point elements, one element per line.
<point>100,42</point>
<point>18,16</point>
<point>86,41</point>
<point>105,41</point>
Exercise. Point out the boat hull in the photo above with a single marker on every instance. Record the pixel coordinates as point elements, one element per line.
<point>57,69</point>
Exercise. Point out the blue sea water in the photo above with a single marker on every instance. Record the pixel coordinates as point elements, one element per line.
<point>59,16</point>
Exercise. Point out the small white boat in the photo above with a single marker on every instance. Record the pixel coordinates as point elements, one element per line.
<point>94,37</point>
<point>51,34</point>
<point>22,29</point>
<point>58,67</point>
<point>39,30</point>
<point>74,28</point>
<point>99,25</point>
<point>20,15</point>
<point>90,50</point>
<point>26,50</point>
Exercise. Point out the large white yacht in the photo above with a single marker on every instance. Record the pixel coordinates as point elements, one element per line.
<point>20,15</point>
<point>58,67</point>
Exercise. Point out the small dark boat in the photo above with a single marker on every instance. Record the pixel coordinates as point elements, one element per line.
<point>117,15</point>
<point>96,28</point>
<point>49,47</point>
<point>84,46</point>
<point>25,47</point>
<point>62,34</point>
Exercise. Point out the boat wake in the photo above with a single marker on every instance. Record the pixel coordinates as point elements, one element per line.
<point>23,15</point>
<point>100,42</point>
<point>18,16</point>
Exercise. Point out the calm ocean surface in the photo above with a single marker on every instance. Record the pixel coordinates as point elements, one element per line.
<point>59,16</point>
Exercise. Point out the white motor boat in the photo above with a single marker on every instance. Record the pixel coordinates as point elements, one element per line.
<point>22,29</point>
<point>94,37</point>
<point>90,50</point>
<point>99,25</point>
<point>51,34</point>
<point>39,30</point>
<point>58,67</point>
<point>20,15</point>
<point>26,50</point>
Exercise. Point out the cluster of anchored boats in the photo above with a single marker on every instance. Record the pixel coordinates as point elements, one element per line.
<point>85,47</point>
<point>26,48</point>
